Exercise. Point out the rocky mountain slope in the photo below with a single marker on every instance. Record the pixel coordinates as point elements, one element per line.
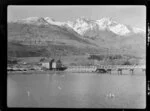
<point>76,37</point>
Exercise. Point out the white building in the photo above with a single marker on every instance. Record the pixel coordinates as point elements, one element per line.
<point>46,65</point>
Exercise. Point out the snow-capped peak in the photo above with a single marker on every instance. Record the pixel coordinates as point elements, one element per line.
<point>53,22</point>
<point>105,22</point>
<point>83,24</point>
<point>119,29</point>
<point>70,24</point>
<point>33,20</point>
<point>138,30</point>
<point>82,19</point>
<point>39,21</point>
<point>48,19</point>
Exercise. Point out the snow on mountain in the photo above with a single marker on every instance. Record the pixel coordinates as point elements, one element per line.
<point>39,21</point>
<point>105,22</point>
<point>51,21</point>
<point>119,29</point>
<point>33,20</point>
<point>82,24</point>
<point>138,30</point>
<point>30,19</point>
<point>69,24</point>
<point>108,23</point>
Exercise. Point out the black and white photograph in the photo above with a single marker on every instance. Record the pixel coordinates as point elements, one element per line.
<point>76,56</point>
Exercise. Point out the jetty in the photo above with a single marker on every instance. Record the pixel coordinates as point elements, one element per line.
<point>105,68</point>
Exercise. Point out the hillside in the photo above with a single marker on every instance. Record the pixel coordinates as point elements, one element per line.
<point>46,37</point>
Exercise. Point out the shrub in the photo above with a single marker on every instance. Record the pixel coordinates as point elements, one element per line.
<point>73,64</point>
<point>127,63</point>
<point>12,61</point>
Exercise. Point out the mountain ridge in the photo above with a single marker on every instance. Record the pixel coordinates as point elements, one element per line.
<point>82,24</point>
<point>46,32</point>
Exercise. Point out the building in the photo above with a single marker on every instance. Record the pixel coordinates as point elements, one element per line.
<point>53,64</point>
<point>46,65</point>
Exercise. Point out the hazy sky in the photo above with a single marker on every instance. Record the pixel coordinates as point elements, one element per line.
<point>130,15</point>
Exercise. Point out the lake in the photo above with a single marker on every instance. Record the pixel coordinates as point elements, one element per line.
<point>76,90</point>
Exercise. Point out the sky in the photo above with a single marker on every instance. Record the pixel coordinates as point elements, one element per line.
<point>133,15</point>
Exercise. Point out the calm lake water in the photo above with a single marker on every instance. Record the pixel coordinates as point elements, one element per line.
<point>76,90</point>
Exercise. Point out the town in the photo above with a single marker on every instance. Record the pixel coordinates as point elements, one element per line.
<point>57,65</point>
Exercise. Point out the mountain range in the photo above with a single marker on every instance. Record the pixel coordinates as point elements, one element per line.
<point>43,36</point>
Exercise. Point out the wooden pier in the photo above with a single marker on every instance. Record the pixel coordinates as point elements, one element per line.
<point>105,69</point>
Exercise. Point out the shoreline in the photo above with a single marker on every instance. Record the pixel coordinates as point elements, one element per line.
<point>66,72</point>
